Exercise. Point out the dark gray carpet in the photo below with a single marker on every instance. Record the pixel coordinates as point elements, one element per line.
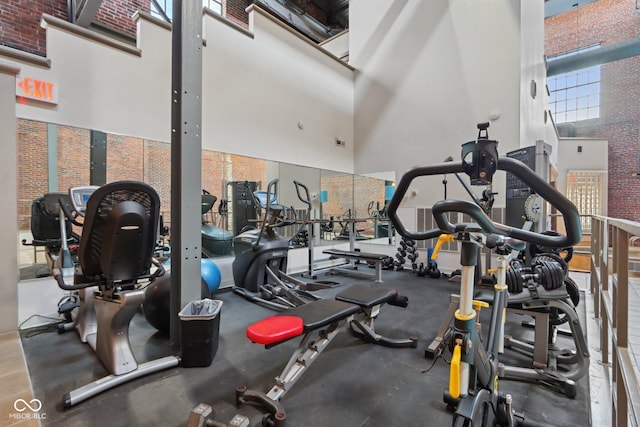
<point>351,383</point>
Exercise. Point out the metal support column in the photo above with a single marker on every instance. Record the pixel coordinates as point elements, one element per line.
<point>186,148</point>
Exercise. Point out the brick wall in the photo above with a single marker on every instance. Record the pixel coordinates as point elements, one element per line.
<point>365,191</point>
<point>311,9</point>
<point>150,162</point>
<point>74,149</point>
<point>117,14</point>
<point>127,158</point>
<point>607,22</point>
<point>20,20</point>
<point>156,166</point>
<point>32,179</point>
<point>20,23</point>
<point>235,10</point>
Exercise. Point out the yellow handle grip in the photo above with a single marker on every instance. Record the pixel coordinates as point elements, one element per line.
<point>454,372</point>
<point>444,238</point>
<point>478,305</point>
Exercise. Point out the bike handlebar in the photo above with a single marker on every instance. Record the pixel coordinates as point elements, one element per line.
<point>519,169</point>
<point>306,200</point>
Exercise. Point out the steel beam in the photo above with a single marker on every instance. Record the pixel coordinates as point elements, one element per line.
<point>86,11</point>
<point>186,161</point>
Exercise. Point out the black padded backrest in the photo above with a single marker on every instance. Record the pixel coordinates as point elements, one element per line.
<point>45,214</point>
<point>208,200</point>
<point>119,234</point>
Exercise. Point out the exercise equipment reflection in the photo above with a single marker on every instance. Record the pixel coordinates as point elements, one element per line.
<point>260,264</point>
<point>51,230</point>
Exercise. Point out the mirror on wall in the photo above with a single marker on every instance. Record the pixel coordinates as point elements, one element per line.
<point>77,157</point>
<point>336,205</point>
<point>371,195</point>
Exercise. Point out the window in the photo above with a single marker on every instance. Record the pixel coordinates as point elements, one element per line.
<point>159,8</point>
<point>215,5</point>
<point>586,190</point>
<point>162,8</point>
<point>575,95</point>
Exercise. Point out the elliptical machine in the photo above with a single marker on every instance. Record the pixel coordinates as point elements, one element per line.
<point>260,264</point>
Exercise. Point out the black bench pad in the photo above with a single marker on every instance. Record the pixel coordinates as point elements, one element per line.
<point>322,312</point>
<point>308,317</point>
<point>355,254</point>
<point>366,296</point>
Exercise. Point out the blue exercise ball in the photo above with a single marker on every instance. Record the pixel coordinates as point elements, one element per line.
<point>209,272</point>
<point>211,275</point>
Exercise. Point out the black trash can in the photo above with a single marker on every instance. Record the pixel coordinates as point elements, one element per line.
<point>200,326</point>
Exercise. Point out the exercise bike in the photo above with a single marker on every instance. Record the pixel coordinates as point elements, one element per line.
<point>52,230</point>
<point>473,381</point>
<point>115,257</point>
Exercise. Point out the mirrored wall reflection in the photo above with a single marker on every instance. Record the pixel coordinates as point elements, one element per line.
<point>78,157</point>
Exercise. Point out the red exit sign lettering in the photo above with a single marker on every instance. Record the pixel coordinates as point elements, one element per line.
<point>41,90</point>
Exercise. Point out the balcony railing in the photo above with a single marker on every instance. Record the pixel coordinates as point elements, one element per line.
<point>615,284</point>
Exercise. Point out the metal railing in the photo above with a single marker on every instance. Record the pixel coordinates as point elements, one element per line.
<point>610,286</point>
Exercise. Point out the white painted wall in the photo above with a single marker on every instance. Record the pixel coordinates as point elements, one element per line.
<point>8,201</point>
<point>266,93</point>
<point>593,157</point>
<point>428,72</point>
<point>534,124</point>
<point>275,97</point>
<point>338,45</point>
<point>107,89</point>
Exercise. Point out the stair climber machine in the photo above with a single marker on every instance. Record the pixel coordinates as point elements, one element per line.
<point>260,264</point>
<point>473,391</point>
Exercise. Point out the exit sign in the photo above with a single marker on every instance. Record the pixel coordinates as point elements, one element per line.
<point>40,90</point>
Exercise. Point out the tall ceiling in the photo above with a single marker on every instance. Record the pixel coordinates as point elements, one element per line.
<point>337,11</point>
<point>296,15</point>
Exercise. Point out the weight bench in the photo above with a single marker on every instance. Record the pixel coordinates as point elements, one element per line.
<point>376,259</point>
<point>319,322</point>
